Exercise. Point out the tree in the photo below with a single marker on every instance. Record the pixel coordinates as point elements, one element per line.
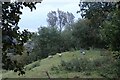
<point>70,18</point>
<point>100,13</point>
<point>52,18</point>
<point>12,38</point>
<point>60,19</point>
<point>67,39</point>
<point>111,31</point>
<point>47,42</point>
<point>96,13</point>
<point>82,35</point>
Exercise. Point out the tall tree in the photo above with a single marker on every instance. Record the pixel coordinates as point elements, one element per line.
<point>70,18</point>
<point>82,35</point>
<point>111,30</point>
<point>97,13</point>
<point>60,19</point>
<point>47,41</point>
<point>52,18</point>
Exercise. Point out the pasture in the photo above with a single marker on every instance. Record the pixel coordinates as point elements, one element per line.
<point>39,68</point>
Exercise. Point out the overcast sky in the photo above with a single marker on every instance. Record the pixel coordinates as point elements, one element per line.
<point>33,20</point>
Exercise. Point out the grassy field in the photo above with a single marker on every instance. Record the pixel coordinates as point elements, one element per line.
<point>38,69</point>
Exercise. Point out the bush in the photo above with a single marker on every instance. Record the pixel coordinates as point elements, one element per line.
<point>108,71</point>
<point>117,68</point>
<point>84,65</point>
<point>105,66</point>
<point>108,68</point>
<point>105,53</point>
<point>75,65</point>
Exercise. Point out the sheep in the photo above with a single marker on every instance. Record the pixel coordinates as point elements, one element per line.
<point>83,53</point>
<point>60,55</point>
<point>50,56</point>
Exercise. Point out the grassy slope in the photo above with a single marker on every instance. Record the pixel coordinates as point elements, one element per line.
<point>47,63</point>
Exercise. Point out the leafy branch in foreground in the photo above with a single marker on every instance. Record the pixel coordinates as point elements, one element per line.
<point>12,39</point>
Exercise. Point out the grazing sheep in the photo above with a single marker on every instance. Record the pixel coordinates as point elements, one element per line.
<point>59,55</point>
<point>50,56</point>
<point>83,53</point>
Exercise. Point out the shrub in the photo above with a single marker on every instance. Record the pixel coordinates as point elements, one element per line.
<point>118,67</point>
<point>75,65</point>
<point>105,66</point>
<point>105,53</point>
<point>108,68</point>
<point>97,63</point>
<point>83,64</point>
<point>108,71</point>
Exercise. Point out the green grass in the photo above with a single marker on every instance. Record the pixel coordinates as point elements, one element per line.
<point>47,63</point>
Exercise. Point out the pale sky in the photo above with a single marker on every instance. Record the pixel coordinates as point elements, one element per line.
<point>33,20</point>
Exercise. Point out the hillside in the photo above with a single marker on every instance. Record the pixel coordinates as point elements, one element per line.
<point>38,69</point>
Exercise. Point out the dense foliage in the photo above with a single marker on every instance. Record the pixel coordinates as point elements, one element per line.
<point>12,39</point>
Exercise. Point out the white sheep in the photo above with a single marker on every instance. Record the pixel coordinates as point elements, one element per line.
<point>59,54</point>
<point>50,56</point>
<point>83,53</point>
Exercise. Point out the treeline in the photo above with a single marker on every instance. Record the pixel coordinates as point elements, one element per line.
<point>49,40</point>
